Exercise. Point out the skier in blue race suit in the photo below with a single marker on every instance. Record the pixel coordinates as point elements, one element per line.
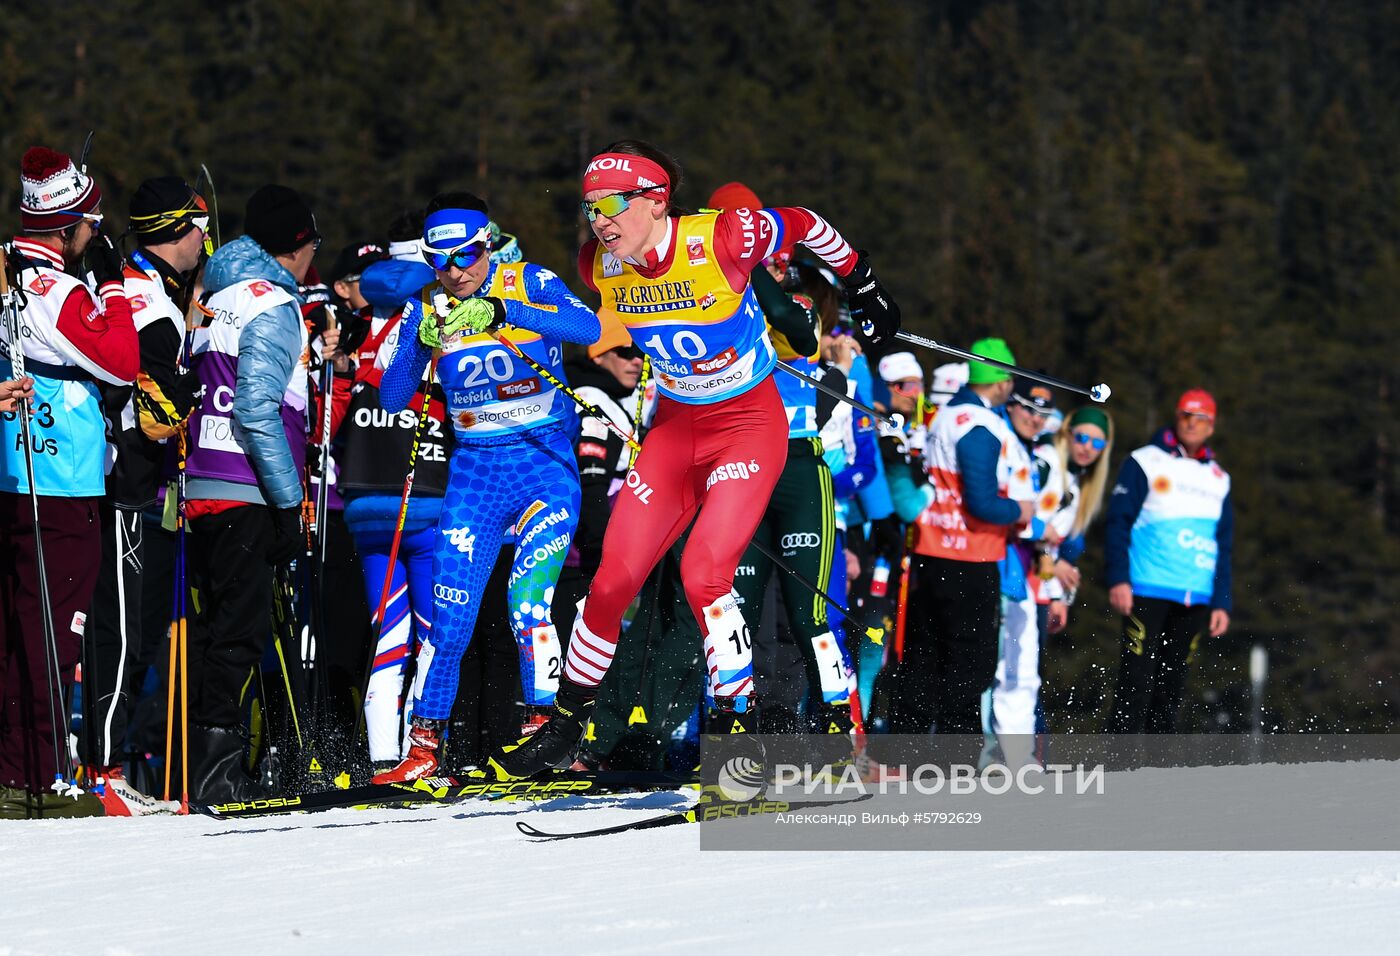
<point>513,470</point>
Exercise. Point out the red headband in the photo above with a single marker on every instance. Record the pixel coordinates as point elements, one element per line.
<point>624,173</point>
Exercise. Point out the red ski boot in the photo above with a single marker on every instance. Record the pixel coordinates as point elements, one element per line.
<point>424,745</point>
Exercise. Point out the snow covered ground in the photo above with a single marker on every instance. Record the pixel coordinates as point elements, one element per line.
<point>462,879</point>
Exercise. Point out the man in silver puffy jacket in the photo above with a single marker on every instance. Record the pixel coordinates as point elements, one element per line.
<point>244,466</point>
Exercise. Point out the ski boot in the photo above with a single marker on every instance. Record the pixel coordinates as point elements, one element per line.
<point>830,747</point>
<point>424,747</point>
<point>553,744</point>
<point>535,718</point>
<point>217,768</point>
<point>834,719</point>
<point>121,799</point>
<point>733,715</point>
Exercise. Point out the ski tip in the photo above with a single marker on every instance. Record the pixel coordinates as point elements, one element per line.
<point>528,830</point>
<point>876,634</point>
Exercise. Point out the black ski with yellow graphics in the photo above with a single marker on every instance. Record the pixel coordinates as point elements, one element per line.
<point>704,811</point>
<point>450,789</point>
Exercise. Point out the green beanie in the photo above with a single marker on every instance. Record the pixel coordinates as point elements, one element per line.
<point>980,373</point>
<point>1091,415</point>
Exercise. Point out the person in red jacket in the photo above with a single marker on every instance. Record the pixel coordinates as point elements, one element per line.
<point>72,343</point>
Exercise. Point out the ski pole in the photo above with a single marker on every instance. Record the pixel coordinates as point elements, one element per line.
<point>179,656</point>
<point>323,487</point>
<point>640,409</point>
<point>320,533</point>
<point>876,634</point>
<point>895,421</point>
<point>378,620</point>
<point>213,207</point>
<point>551,378</point>
<point>902,612</point>
<point>170,681</point>
<point>58,713</point>
<point>184,670</point>
<point>1098,393</point>
<point>179,611</point>
<point>284,608</point>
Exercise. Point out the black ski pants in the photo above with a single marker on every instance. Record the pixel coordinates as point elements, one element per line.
<point>799,526</point>
<point>232,582</point>
<point>1159,638</point>
<point>113,639</point>
<point>950,646</point>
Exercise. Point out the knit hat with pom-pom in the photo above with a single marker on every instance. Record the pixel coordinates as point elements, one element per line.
<point>54,194</point>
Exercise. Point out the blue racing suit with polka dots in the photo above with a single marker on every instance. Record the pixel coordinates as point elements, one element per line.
<point>513,472</point>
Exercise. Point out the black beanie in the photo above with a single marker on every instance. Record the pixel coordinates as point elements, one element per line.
<point>163,210</point>
<point>277,219</point>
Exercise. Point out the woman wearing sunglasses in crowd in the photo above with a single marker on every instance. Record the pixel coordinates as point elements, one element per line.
<point>680,283</point>
<point>1074,473</point>
<point>513,467</point>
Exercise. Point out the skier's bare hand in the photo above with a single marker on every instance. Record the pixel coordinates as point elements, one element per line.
<point>1068,575</point>
<point>15,391</point>
<point>330,350</point>
<point>1120,598</point>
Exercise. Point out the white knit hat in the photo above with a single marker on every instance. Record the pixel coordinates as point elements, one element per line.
<point>898,366</point>
<point>53,193</point>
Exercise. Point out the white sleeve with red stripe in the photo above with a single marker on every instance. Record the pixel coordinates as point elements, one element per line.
<point>794,224</point>
<point>745,237</point>
<point>101,341</point>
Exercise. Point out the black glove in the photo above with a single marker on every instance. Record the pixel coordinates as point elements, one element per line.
<point>354,331</point>
<point>184,394</point>
<point>887,535</point>
<point>289,540</point>
<point>315,316</point>
<point>500,309</point>
<point>874,313</point>
<point>103,260</point>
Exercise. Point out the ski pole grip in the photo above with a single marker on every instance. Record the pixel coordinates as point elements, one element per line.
<point>4,273</point>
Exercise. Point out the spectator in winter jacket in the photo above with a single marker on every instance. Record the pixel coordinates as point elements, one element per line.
<point>169,221</point>
<point>980,492</point>
<point>902,448</point>
<point>1170,532</point>
<point>349,268</point>
<point>947,380</point>
<point>1073,469</point>
<point>244,469</point>
<point>73,342</point>
<point>1012,703</point>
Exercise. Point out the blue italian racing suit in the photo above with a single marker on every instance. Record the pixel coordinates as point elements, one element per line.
<point>513,471</point>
